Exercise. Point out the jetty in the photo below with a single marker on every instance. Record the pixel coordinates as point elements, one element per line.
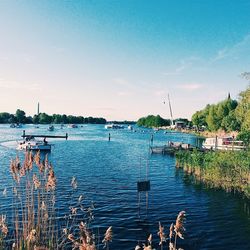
<point>172,147</point>
<point>31,143</point>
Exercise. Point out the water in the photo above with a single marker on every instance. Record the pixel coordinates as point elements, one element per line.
<point>107,174</point>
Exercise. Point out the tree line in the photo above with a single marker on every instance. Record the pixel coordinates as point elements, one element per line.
<point>43,118</point>
<point>228,115</point>
<point>157,121</point>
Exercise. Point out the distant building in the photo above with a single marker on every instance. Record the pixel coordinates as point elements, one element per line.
<point>180,124</point>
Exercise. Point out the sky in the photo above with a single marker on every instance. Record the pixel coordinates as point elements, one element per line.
<point>120,59</point>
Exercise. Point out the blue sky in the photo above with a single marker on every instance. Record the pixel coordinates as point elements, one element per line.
<point>120,59</point>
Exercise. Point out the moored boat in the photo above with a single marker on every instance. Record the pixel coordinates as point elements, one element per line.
<point>16,125</point>
<point>51,128</point>
<point>223,143</point>
<point>30,143</point>
<point>72,126</point>
<point>114,126</point>
<point>130,127</point>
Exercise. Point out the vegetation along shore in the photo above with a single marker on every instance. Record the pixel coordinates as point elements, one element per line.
<point>229,170</point>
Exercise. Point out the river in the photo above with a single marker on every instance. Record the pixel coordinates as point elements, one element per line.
<point>107,173</point>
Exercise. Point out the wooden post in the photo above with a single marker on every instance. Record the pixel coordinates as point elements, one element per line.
<point>216,142</point>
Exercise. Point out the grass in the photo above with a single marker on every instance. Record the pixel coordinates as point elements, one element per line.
<point>229,170</point>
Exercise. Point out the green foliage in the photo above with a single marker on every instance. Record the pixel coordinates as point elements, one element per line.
<point>243,109</point>
<point>20,116</point>
<point>44,118</point>
<point>228,115</point>
<point>230,122</point>
<point>218,116</point>
<point>153,121</point>
<point>5,117</point>
<point>244,136</point>
<point>212,118</point>
<point>229,170</point>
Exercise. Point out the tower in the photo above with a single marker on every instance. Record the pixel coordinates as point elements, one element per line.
<point>38,112</point>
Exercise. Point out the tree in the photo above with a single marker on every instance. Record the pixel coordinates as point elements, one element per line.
<point>212,119</point>
<point>35,119</point>
<point>20,116</point>
<point>44,118</point>
<point>4,117</point>
<point>243,109</point>
<point>153,121</point>
<point>199,117</point>
<point>230,122</point>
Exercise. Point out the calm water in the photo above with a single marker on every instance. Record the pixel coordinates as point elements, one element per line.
<point>107,174</point>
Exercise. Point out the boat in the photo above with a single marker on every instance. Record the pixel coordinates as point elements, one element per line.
<point>31,143</point>
<point>114,126</point>
<point>223,143</point>
<point>72,126</point>
<point>16,125</point>
<point>130,127</point>
<point>162,150</point>
<point>51,128</point>
<point>171,148</point>
<point>19,125</point>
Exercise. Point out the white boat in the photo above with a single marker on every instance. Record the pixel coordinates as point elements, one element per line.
<point>130,127</point>
<point>114,126</point>
<point>72,126</point>
<point>19,125</point>
<point>30,143</point>
<point>223,143</point>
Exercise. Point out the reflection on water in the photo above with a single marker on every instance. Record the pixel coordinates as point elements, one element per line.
<point>107,173</point>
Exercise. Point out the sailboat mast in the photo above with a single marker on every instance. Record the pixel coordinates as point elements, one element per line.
<point>171,114</point>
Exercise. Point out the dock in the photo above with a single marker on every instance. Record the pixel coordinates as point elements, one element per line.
<point>172,147</point>
<point>24,135</point>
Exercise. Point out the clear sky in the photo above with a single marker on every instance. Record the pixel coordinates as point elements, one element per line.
<point>119,59</point>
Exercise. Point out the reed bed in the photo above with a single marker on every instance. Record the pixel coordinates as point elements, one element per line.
<point>34,223</point>
<point>229,170</point>
<point>176,231</point>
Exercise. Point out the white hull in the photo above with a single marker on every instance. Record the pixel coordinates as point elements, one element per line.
<point>227,143</point>
<point>34,145</point>
<point>114,126</point>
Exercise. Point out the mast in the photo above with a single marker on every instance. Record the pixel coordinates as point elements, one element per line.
<point>171,114</point>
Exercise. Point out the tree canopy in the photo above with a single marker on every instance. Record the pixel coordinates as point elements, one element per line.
<point>218,116</point>
<point>153,121</point>
<point>43,118</point>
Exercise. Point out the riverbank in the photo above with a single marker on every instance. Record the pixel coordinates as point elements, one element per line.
<point>205,134</point>
<point>229,170</point>
<point>219,133</point>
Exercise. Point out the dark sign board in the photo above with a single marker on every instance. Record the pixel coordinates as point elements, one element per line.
<point>143,186</point>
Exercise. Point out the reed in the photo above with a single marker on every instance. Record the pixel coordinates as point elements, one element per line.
<point>229,170</point>
<point>34,184</point>
<point>176,230</point>
<point>35,224</point>
<point>161,234</point>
